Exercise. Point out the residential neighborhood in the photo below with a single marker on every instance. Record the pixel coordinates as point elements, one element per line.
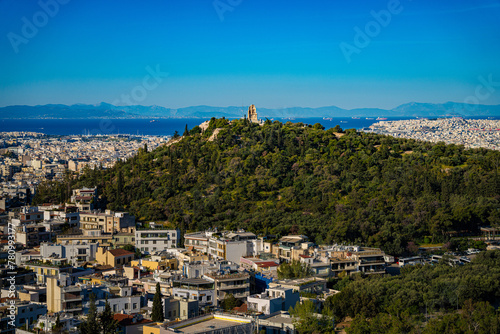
<point>64,254</point>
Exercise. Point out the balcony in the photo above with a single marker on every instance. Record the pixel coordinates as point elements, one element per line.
<point>241,294</point>
<point>71,297</point>
<point>233,286</point>
<point>72,307</point>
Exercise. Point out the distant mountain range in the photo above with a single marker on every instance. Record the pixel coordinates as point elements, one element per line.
<point>105,110</point>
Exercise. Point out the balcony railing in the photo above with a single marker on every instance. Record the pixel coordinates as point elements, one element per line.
<point>72,297</point>
<point>235,286</point>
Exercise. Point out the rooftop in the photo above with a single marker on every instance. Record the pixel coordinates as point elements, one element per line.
<point>208,323</point>
<point>120,252</point>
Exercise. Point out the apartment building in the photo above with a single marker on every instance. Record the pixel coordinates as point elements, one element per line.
<point>198,289</point>
<point>62,296</point>
<point>75,253</point>
<point>273,300</point>
<point>151,240</point>
<point>88,236</point>
<point>237,284</point>
<point>69,216</point>
<point>291,247</point>
<point>355,259</point>
<point>231,246</point>
<point>107,221</point>
<point>31,235</point>
<point>28,313</point>
<point>84,198</point>
<point>198,241</point>
<point>116,258</point>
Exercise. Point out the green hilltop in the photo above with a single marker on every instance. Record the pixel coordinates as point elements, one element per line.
<point>333,185</point>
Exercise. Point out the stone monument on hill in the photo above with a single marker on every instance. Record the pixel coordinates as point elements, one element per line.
<point>252,114</point>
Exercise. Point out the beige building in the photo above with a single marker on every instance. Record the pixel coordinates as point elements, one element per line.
<point>108,221</point>
<point>63,297</point>
<point>113,257</point>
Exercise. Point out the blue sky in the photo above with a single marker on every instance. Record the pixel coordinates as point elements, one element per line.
<point>238,52</point>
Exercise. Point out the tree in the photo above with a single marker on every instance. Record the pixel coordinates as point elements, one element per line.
<point>295,269</point>
<point>337,129</point>
<point>186,131</point>
<point>306,320</point>
<point>229,302</point>
<point>176,134</point>
<point>157,313</point>
<point>108,324</point>
<point>91,325</point>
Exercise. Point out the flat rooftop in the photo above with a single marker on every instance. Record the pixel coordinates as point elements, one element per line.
<point>208,324</point>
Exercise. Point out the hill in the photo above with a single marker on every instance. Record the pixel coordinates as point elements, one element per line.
<point>289,178</point>
<point>106,110</point>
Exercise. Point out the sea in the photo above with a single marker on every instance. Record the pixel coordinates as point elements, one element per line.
<point>153,127</point>
<point>157,126</point>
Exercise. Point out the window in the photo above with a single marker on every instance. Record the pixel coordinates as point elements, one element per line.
<point>154,242</point>
<point>126,306</point>
<point>135,306</point>
<point>169,314</point>
<point>114,308</point>
<point>175,313</point>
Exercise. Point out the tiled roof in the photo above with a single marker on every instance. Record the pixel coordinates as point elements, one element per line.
<point>120,252</point>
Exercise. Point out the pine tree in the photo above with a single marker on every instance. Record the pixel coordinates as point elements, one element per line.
<point>186,131</point>
<point>91,326</point>
<point>108,324</point>
<point>157,313</point>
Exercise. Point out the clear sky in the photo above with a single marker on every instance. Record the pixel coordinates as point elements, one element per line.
<point>237,52</point>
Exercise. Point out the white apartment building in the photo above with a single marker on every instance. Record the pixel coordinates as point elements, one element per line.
<point>151,240</point>
<point>74,253</point>
<point>231,246</point>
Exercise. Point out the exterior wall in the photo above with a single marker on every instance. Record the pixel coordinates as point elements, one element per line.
<point>236,284</point>
<point>273,300</point>
<point>127,305</point>
<point>188,309</point>
<point>105,257</point>
<point>71,299</point>
<point>74,253</point>
<point>154,265</point>
<point>153,240</point>
<point>230,250</point>
<point>29,313</point>
<point>204,297</point>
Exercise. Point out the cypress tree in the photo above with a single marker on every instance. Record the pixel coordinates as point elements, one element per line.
<point>108,324</point>
<point>90,326</point>
<point>157,313</point>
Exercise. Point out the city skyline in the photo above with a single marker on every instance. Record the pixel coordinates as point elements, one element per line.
<point>230,53</point>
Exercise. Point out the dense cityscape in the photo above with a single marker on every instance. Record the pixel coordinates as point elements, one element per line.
<point>471,133</point>
<point>250,167</point>
<point>64,263</point>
